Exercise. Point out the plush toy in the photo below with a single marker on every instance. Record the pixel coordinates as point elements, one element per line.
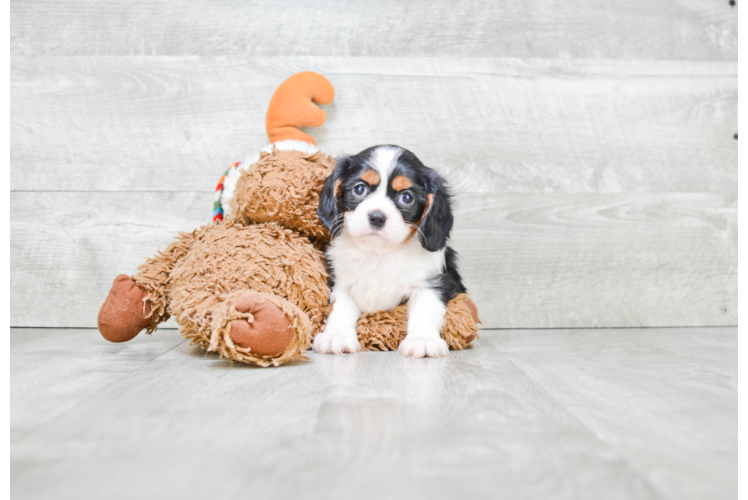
<point>252,285</point>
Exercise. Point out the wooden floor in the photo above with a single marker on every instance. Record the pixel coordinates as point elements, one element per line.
<point>546,414</point>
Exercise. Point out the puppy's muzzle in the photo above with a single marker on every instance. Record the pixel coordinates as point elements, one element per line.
<point>377,219</point>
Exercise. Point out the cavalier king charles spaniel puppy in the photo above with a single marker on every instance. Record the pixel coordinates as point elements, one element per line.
<point>390,217</point>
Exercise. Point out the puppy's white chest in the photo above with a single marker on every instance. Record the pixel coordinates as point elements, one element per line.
<point>379,279</point>
<point>377,283</point>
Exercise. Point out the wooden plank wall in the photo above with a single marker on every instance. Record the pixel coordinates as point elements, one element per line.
<point>590,144</point>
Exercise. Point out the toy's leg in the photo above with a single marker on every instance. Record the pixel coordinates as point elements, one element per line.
<point>460,322</point>
<point>384,330</point>
<point>125,311</point>
<point>141,301</point>
<point>154,276</point>
<point>266,330</point>
<point>247,326</point>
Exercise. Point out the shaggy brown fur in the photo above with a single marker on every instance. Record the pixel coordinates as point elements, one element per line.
<point>284,187</point>
<point>199,278</point>
<point>155,277</point>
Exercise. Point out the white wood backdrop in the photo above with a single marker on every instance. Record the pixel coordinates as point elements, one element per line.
<point>590,144</point>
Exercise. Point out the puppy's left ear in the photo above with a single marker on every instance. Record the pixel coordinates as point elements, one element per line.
<point>437,216</point>
<point>330,203</point>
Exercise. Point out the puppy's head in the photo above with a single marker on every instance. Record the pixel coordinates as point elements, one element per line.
<point>386,192</point>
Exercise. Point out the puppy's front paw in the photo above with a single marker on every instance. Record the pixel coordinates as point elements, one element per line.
<point>416,346</point>
<point>336,342</point>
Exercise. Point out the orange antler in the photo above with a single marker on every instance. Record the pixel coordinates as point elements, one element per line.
<point>292,106</point>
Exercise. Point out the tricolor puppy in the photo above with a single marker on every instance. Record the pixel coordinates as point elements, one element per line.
<point>390,218</point>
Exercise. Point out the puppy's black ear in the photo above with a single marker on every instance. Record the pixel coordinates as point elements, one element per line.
<point>437,216</point>
<point>330,202</point>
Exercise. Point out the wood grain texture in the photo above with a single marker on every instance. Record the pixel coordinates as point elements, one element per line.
<point>528,260</point>
<point>581,260</point>
<point>553,414</point>
<point>647,386</point>
<point>489,125</point>
<point>743,166</point>
<point>70,246</point>
<point>56,370</point>
<point>590,145</point>
<point>635,29</point>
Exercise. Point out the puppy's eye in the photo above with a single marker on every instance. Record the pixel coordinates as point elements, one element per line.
<point>406,199</point>
<point>359,189</point>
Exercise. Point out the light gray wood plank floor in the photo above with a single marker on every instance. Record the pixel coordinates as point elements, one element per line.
<point>614,413</point>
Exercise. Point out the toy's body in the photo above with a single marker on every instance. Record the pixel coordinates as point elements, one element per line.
<point>254,287</point>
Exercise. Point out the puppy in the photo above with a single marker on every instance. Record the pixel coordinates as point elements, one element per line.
<point>390,217</point>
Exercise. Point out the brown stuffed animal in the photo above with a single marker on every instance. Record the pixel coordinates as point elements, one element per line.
<point>254,286</point>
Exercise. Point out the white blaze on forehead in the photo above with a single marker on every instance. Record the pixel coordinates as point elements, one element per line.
<point>384,160</point>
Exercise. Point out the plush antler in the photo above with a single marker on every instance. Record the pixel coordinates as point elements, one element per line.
<point>293,106</point>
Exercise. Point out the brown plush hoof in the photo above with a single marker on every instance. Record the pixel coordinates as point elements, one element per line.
<point>268,333</point>
<point>474,314</point>
<point>121,316</point>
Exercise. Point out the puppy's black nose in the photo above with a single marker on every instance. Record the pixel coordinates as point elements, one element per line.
<point>377,219</point>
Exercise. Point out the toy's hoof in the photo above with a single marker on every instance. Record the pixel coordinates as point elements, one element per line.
<point>123,314</point>
<point>268,333</point>
<point>474,314</point>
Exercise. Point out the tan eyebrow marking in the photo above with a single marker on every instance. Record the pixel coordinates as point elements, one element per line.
<point>371,177</point>
<point>336,191</point>
<point>401,182</point>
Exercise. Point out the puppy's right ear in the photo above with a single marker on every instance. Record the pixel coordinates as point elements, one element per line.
<point>330,200</point>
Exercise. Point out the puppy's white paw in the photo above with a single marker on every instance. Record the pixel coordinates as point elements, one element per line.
<point>331,342</point>
<point>416,346</point>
